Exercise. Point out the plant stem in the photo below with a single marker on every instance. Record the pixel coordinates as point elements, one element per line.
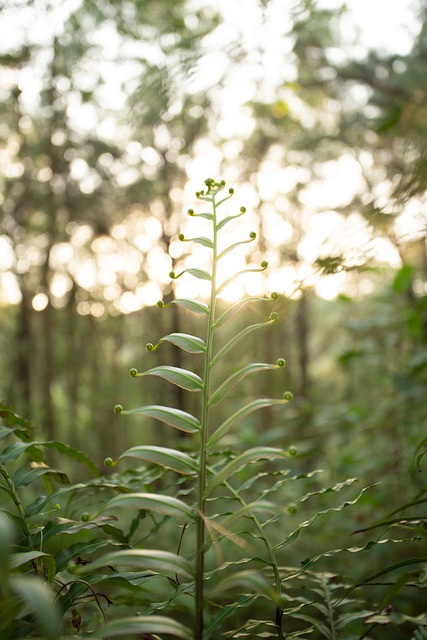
<point>200,522</point>
<point>273,561</point>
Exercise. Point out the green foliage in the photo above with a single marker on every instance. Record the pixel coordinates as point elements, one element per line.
<point>207,539</point>
<point>226,522</point>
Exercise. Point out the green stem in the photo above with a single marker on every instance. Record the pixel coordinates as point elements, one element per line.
<point>200,522</point>
<point>273,561</point>
<point>15,497</point>
<point>11,490</point>
<point>329,607</point>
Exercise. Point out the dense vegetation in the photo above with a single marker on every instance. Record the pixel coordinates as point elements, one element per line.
<point>304,520</point>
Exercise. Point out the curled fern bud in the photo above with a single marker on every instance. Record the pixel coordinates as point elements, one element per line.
<point>149,346</point>
<point>264,264</point>
<point>197,196</point>
<point>85,517</point>
<point>118,408</point>
<point>133,372</point>
<point>108,462</point>
<point>191,211</point>
<point>181,237</point>
<point>274,295</point>
<point>209,182</point>
<point>280,362</point>
<point>222,183</point>
<point>231,191</point>
<point>292,451</point>
<point>292,509</point>
<point>288,396</point>
<point>273,316</point>
<point>172,274</point>
<point>160,304</point>
<point>252,235</point>
<point>242,209</point>
<point>58,507</point>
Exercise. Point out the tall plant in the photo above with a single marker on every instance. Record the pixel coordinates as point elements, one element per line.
<point>226,550</point>
<point>212,468</point>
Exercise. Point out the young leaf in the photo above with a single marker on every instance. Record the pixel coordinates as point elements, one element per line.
<point>174,417</point>
<point>229,313</point>
<point>144,559</point>
<point>237,376</point>
<point>191,305</point>
<point>242,413</point>
<point>205,242</point>
<point>142,625</point>
<point>186,342</point>
<point>156,502</point>
<point>257,453</point>
<point>168,458</point>
<point>180,377</point>
<point>238,337</point>
<point>201,274</point>
<point>231,279</point>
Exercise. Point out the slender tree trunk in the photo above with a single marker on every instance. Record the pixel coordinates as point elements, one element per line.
<point>302,333</point>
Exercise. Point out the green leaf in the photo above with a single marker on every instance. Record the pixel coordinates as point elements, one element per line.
<point>75,550</point>
<point>180,377</point>
<point>142,624</point>
<point>263,506</point>
<point>191,305</point>
<point>307,523</point>
<point>174,417</point>
<point>165,505</point>
<point>40,600</point>
<point>145,560</point>
<point>244,581</point>
<point>239,415</point>
<point>238,337</point>
<point>24,476</point>
<point>225,221</point>
<point>168,458</point>
<point>20,426</point>
<point>16,449</point>
<point>201,274</point>
<point>236,377</point>
<point>205,242</point>
<point>186,342</point>
<point>18,559</point>
<point>229,313</point>
<point>257,453</point>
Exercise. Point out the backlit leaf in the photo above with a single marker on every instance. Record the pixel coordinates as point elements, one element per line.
<point>201,274</point>
<point>191,305</point>
<point>168,458</point>
<point>237,376</point>
<point>180,377</point>
<point>174,417</point>
<point>189,343</point>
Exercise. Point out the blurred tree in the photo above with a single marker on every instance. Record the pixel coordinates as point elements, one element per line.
<point>90,121</point>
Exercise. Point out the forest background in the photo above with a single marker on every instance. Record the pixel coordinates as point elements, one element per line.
<point>113,114</point>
